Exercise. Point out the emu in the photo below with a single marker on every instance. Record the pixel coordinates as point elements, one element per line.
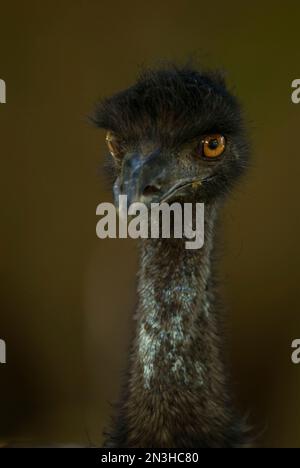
<point>177,133</point>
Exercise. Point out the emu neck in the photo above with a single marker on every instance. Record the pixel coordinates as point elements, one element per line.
<point>175,310</point>
<point>176,393</point>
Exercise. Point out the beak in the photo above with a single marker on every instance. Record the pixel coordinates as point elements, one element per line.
<point>147,179</point>
<point>142,178</point>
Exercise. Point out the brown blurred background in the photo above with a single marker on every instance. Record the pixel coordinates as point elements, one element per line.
<point>67,297</point>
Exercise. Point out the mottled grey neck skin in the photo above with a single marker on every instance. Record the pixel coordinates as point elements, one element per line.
<point>173,297</point>
<point>176,392</point>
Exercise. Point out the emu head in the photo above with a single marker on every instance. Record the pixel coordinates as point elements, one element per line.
<point>177,134</point>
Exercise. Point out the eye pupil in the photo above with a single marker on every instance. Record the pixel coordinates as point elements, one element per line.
<point>213,144</point>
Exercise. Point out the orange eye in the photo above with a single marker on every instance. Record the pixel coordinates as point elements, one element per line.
<point>213,146</point>
<point>113,145</point>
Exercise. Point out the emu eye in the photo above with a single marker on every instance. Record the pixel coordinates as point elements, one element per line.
<point>113,144</point>
<point>213,146</point>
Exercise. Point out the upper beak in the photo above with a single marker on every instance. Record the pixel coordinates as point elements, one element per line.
<point>142,179</point>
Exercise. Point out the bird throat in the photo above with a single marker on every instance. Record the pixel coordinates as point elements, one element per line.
<point>176,393</point>
<point>174,310</point>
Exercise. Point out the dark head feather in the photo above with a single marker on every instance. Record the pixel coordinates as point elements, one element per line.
<point>172,106</point>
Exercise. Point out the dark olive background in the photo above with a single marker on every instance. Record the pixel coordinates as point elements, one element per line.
<point>67,297</point>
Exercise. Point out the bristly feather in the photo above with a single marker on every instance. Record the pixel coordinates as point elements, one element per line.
<point>172,105</point>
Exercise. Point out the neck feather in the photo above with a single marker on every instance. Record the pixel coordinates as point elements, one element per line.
<point>176,393</point>
<point>175,306</point>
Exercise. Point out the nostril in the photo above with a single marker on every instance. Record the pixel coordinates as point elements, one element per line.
<point>150,190</point>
